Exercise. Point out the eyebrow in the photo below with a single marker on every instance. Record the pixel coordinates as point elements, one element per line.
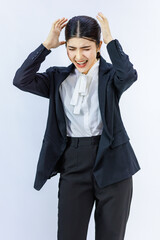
<point>80,47</point>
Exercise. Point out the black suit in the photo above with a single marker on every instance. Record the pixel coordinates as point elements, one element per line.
<point>114,79</point>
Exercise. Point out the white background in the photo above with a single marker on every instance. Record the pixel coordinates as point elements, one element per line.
<point>32,215</point>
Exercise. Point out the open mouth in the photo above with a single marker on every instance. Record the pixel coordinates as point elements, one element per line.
<point>81,65</point>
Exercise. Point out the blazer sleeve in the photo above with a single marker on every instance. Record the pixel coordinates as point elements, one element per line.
<point>26,77</point>
<point>125,75</point>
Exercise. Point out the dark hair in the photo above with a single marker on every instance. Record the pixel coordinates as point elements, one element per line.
<point>83,27</point>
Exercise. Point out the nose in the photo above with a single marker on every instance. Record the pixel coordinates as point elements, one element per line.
<point>78,56</point>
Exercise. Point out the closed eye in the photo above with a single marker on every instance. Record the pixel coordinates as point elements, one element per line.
<point>84,49</point>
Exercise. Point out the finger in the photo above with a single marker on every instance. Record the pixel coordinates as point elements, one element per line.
<point>63,26</point>
<point>62,21</point>
<point>101,14</point>
<point>99,19</point>
<point>56,21</point>
<point>62,42</point>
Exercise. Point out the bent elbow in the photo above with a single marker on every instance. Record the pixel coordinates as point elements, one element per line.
<point>16,83</point>
<point>132,76</point>
<point>16,80</point>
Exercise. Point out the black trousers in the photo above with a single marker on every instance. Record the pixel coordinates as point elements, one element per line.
<point>78,191</point>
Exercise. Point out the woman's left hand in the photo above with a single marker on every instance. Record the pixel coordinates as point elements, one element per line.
<point>107,37</point>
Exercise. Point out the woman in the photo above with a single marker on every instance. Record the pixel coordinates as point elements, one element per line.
<point>85,139</point>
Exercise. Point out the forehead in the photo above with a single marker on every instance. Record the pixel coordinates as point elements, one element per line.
<point>79,42</point>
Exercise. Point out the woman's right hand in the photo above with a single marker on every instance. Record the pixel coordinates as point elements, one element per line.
<point>52,40</point>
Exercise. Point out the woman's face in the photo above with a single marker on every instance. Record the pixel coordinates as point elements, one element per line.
<point>82,53</point>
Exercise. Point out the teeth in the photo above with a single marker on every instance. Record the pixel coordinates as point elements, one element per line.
<point>81,63</point>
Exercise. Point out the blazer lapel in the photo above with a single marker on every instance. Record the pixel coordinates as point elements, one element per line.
<point>103,95</point>
<point>62,74</point>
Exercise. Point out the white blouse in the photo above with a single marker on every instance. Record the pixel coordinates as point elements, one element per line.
<point>79,95</point>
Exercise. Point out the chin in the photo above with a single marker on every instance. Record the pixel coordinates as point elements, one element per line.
<point>83,70</point>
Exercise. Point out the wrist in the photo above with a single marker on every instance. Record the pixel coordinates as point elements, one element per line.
<point>46,45</point>
<point>108,39</point>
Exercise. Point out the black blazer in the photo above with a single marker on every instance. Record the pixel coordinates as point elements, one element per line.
<point>115,158</point>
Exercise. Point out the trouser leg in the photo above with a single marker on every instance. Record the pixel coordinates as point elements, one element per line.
<point>112,210</point>
<point>76,193</point>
